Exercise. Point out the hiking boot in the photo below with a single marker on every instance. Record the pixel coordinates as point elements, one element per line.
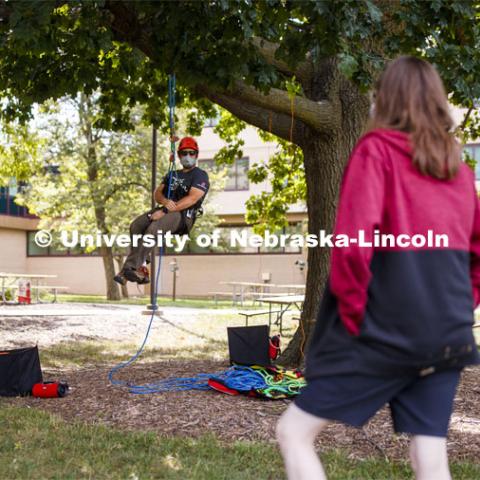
<point>137,276</point>
<point>142,272</point>
<point>119,278</point>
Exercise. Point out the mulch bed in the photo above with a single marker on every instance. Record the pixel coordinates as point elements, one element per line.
<point>93,400</point>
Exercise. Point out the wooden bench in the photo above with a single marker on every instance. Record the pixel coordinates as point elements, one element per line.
<point>235,298</point>
<point>254,313</point>
<point>54,289</point>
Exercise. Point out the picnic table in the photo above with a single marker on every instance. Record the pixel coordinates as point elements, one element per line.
<point>299,287</point>
<point>284,303</point>
<point>240,289</point>
<point>9,279</point>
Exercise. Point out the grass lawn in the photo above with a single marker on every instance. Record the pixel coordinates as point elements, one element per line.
<point>162,301</point>
<point>37,445</point>
<point>202,337</point>
<point>88,353</point>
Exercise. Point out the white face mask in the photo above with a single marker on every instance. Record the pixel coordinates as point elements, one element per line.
<point>188,161</point>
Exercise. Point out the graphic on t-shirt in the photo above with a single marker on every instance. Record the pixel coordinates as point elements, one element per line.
<point>181,182</point>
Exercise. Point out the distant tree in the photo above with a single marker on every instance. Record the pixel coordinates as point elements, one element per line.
<point>89,179</point>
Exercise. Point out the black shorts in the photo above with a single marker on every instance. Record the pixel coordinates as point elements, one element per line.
<point>418,405</point>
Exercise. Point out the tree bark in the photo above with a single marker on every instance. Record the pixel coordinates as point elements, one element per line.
<point>107,255</point>
<point>97,199</point>
<point>317,114</point>
<point>324,158</point>
<point>123,288</point>
<point>279,124</point>
<point>268,50</point>
<point>109,269</point>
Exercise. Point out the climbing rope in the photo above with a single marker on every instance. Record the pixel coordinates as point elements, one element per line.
<point>171,118</point>
<point>120,366</point>
<point>271,382</point>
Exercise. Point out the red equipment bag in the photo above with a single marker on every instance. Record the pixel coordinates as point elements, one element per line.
<point>24,292</point>
<point>50,390</point>
<point>274,347</point>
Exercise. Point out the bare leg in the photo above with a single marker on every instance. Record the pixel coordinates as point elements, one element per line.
<point>296,432</point>
<point>429,458</point>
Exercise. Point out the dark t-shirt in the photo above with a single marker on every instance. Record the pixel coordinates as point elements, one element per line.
<point>183,181</point>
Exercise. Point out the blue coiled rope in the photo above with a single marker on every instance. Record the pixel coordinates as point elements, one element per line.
<point>239,378</point>
<point>243,379</point>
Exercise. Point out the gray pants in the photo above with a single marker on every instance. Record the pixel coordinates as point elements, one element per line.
<point>171,222</point>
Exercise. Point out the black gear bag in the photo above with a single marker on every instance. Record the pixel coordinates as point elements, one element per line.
<point>249,345</point>
<point>19,371</point>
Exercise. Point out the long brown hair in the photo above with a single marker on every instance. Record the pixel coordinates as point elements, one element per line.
<point>410,97</point>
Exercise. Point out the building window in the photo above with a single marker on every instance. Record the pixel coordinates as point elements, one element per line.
<point>237,178</point>
<point>207,164</point>
<point>7,200</point>
<point>236,234</point>
<point>237,175</point>
<point>12,187</point>
<point>473,152</point>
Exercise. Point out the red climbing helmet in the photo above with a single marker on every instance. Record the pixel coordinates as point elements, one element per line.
<point>188,143</point>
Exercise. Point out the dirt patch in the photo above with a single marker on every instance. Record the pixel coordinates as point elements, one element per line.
<point>48,325</point>
<point>193,413</point>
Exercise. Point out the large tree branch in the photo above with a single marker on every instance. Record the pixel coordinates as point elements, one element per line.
<point>126,27</point>
<point>321,115</point>
<point>268,51</point>
<point>276,123</point>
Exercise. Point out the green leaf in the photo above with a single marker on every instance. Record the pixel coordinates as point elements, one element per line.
<point>348,64</point>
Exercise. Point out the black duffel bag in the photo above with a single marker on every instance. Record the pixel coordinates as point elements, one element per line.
<point>19,371</point>
<point>249,345</point>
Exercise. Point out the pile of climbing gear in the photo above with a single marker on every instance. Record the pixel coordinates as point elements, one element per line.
<point>272,382</point>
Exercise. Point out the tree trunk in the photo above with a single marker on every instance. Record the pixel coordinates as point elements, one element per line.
<point>98,200</point>
<point>324,160</point>
<point>113,292</point>
<point>109,269</point>
<point>123,288</point>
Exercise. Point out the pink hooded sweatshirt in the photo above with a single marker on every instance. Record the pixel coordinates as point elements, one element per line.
<point>407,303</point>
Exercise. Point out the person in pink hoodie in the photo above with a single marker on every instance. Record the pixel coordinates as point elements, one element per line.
<point>395,322</point>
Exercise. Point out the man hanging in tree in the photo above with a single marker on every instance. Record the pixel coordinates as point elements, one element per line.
<point>180,205</point>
